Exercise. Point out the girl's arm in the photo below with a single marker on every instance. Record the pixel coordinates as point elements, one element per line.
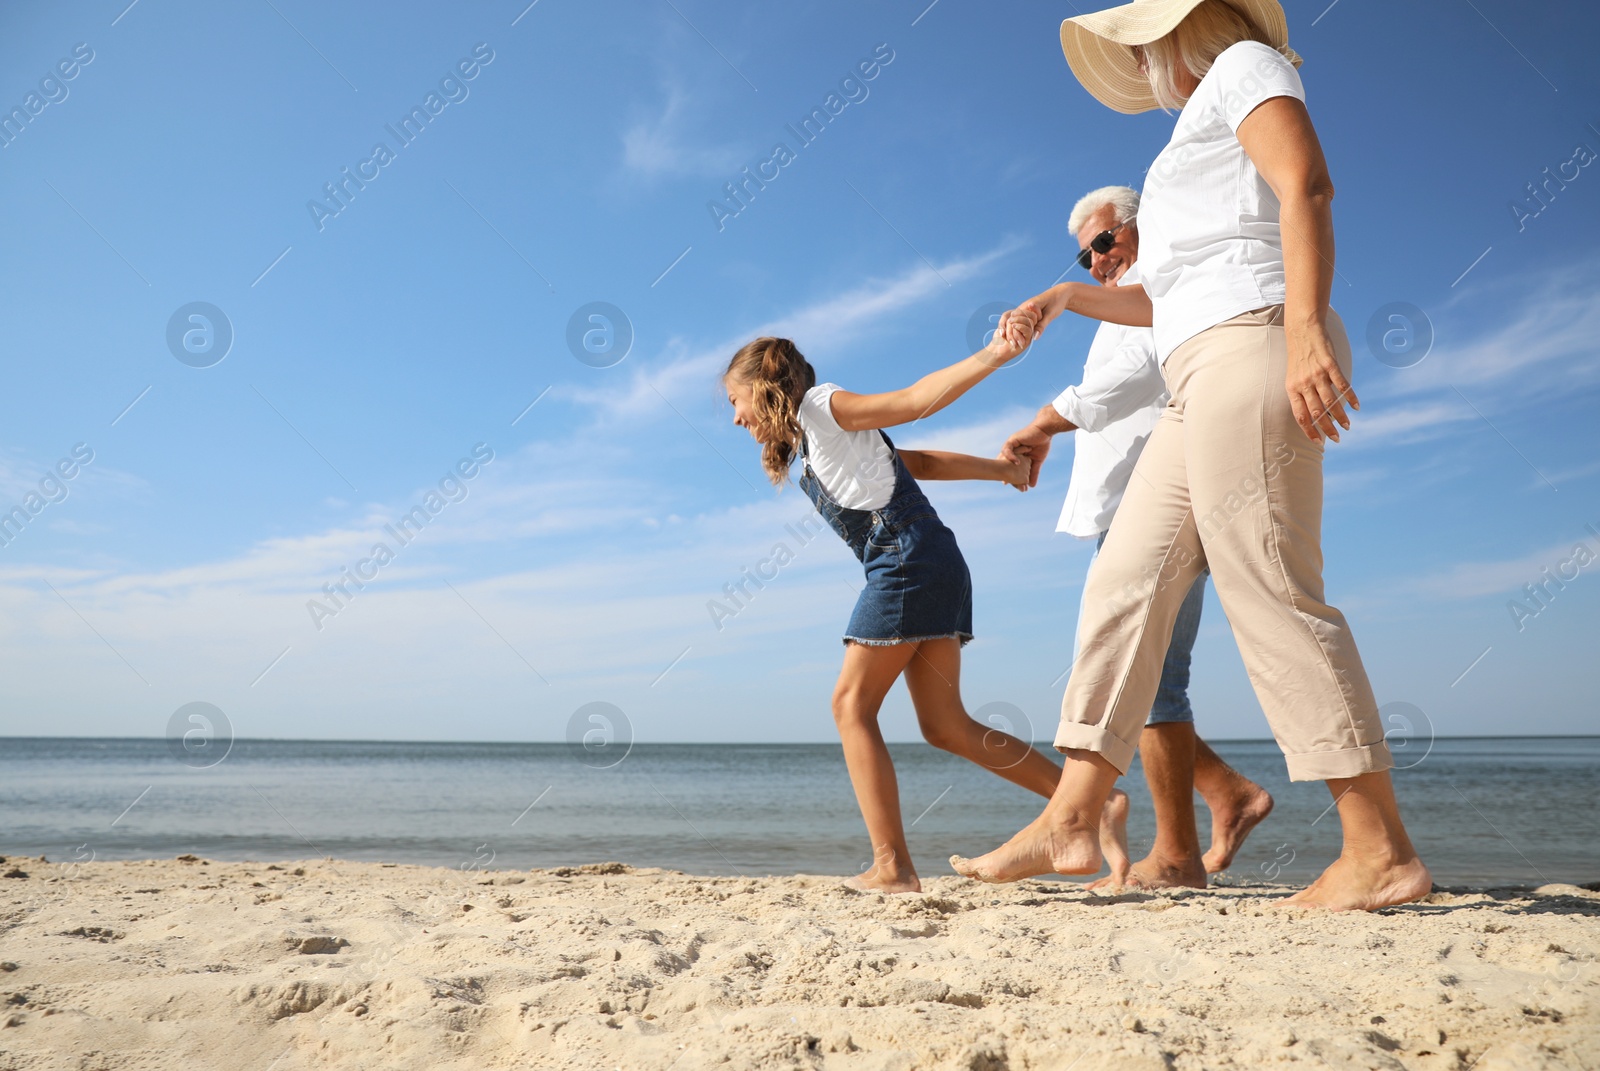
<point>934,391</point>
<point>944,465</point>
<point>1282,144</point>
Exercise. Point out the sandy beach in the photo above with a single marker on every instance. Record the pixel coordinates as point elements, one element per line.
<point>197,964</point>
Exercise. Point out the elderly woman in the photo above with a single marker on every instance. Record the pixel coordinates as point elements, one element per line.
<point>1236,249</point>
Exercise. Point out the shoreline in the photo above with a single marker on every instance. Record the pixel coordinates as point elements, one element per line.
<point>326,963</point>
<point>46,868</point>
<point>1047,745</point>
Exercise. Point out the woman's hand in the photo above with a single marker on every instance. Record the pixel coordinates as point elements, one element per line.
<point>1317,386</point>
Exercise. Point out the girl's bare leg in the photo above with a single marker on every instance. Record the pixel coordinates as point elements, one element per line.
<point>1065,838</point>
<point>868,674</point>
<point>1377,867</point>
<point>934,679</point>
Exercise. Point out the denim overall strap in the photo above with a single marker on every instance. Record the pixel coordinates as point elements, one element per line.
<point>917,584</point>
<point>907,504</point>
<point>852,525</point>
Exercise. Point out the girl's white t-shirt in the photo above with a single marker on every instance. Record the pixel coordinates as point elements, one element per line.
<point>854,467</point>
<point>1209,243</point>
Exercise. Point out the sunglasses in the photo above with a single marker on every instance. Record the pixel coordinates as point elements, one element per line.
<point>1100,243</point>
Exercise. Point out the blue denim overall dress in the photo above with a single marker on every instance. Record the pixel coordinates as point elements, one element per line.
<point>918,586</point>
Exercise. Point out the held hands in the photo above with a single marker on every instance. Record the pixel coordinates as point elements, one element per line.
<point>1029,446</point>
<point>1016,332</point>
<point>1015,472</point>
<point>1317,386</point>
<point>1025,451</point>
<point>1047,306</point>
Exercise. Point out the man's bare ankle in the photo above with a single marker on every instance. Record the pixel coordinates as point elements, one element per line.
<point>1175,855</point>
<point>1181,862</point>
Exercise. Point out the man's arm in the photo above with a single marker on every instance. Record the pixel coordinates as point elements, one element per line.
<point>1032,443</point>
<point>1117,386</point>
<point>1128,305</point>
<point>1050,421</point>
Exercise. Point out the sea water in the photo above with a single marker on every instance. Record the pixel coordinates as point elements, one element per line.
<point>1481,811</point>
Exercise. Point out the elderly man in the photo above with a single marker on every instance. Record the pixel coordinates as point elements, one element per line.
<point>1114,410</point>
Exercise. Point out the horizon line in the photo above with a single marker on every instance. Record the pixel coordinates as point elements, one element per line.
<point>735,743</point>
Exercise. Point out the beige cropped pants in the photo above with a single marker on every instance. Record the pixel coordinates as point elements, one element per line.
<point>1228,480</point>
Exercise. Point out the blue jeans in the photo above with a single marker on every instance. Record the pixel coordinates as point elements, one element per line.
<point>1172,697</point>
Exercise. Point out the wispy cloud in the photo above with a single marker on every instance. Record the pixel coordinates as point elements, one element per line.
<point>21,473</point>
<point>1501,344</point>
<point>605,608</point>
<point>983,437</point>
<point>1560,477</point>
<point>1523,338</point>
<point>688,367</point>
<point>618,589</point>
<point>659,145</point>
<point>1406,423</point>
<point>1468,580</point>
<point>623,564</point>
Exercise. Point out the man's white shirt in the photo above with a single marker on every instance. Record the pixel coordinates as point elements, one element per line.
<point>1115,408</point>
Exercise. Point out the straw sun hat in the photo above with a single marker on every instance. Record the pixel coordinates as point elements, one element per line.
<point>1099,46</point>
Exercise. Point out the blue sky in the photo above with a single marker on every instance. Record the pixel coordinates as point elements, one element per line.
<point>374,348</point>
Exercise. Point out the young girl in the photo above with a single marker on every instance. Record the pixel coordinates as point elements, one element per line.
<point>915,612</point>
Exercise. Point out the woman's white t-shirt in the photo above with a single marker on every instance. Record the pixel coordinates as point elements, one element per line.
<point>854,467</point>
<point>1209,243</point>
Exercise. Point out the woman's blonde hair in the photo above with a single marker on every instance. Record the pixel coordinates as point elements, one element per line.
<point>1196,42</point>
<point>778,376</point>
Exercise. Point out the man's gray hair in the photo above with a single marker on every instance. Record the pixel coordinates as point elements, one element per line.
<point>1123,200</point>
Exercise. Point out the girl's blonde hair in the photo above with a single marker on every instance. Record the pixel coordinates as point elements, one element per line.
<point>778,376</point>
<point>1196,42</point>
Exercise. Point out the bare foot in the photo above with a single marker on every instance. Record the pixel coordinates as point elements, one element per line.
<point>1114,840</point>
<point>1353,885</point>
<point>1114,833</point>
<point>891,881</point>
<point>1042,847</point>
<point>1232,819</point>
<point>1158,872</point>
